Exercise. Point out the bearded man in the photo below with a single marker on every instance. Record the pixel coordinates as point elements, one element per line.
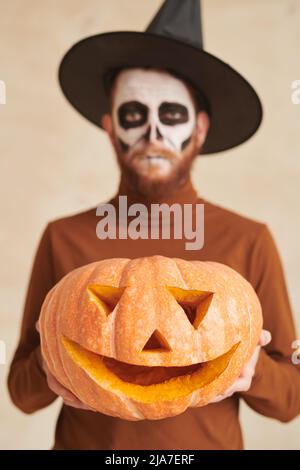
<point>163,101</point>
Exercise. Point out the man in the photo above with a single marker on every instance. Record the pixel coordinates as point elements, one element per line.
<point>161,113</point>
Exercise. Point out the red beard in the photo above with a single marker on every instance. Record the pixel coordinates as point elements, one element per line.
<point>156,187</point>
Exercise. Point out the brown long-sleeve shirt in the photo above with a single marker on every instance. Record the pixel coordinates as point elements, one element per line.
<point>245,245</point>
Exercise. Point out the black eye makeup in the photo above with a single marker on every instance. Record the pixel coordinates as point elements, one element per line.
<point>132,114</point>
<point>173,113</point>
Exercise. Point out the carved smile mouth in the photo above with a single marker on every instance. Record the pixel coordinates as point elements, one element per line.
<point>143,383</point>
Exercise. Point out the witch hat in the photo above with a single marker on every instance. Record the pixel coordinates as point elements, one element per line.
<point>172,41</point>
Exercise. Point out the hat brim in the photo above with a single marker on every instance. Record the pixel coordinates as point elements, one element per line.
<point>235,108</point>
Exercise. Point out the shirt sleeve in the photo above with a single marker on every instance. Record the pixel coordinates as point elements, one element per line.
<point>27,381</point>
<point>275,389</point>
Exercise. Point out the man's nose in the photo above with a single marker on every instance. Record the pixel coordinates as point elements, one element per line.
<point>153,133</point>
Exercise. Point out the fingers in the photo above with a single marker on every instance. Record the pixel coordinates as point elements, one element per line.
<point>68,397</point>
<point>75,403</point>
<point>243,383</point>
<point>249,368</point>
<point>57,388</point>
<point>217,399</point>
<point>71,400</point>
<point>265,338</point>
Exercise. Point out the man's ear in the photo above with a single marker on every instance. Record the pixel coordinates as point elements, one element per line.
<point>202,127</point>
<point>106,123</point>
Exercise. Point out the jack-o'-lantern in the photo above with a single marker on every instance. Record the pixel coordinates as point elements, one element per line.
<point>148,338</point>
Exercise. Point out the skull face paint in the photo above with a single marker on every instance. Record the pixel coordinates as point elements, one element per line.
<point>153,116</point>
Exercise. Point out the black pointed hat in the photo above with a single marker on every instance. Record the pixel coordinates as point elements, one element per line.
<point>172,41</point>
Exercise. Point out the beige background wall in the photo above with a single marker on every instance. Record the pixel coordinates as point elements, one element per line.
<point>54,163</point>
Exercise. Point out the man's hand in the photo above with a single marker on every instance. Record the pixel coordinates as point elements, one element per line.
<point>68,397</point>
<point>243,383</point>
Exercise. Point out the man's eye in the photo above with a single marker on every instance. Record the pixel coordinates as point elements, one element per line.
<point>172,115</point>
<point>132,114</point>
<point>133,117</point>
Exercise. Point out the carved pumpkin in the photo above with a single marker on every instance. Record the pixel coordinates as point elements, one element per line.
<point>148,338</point>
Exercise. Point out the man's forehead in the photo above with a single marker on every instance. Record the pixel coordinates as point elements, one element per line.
<point>150,84</point>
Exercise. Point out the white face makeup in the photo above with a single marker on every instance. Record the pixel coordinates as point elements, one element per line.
<point>152,107</point>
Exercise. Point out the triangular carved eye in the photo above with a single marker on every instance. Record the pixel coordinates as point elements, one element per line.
<point>157,342</point>
<point>195,303</point>
<point>106,297</point>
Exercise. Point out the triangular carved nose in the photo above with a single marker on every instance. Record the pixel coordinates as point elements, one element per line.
<point>157,342</point>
